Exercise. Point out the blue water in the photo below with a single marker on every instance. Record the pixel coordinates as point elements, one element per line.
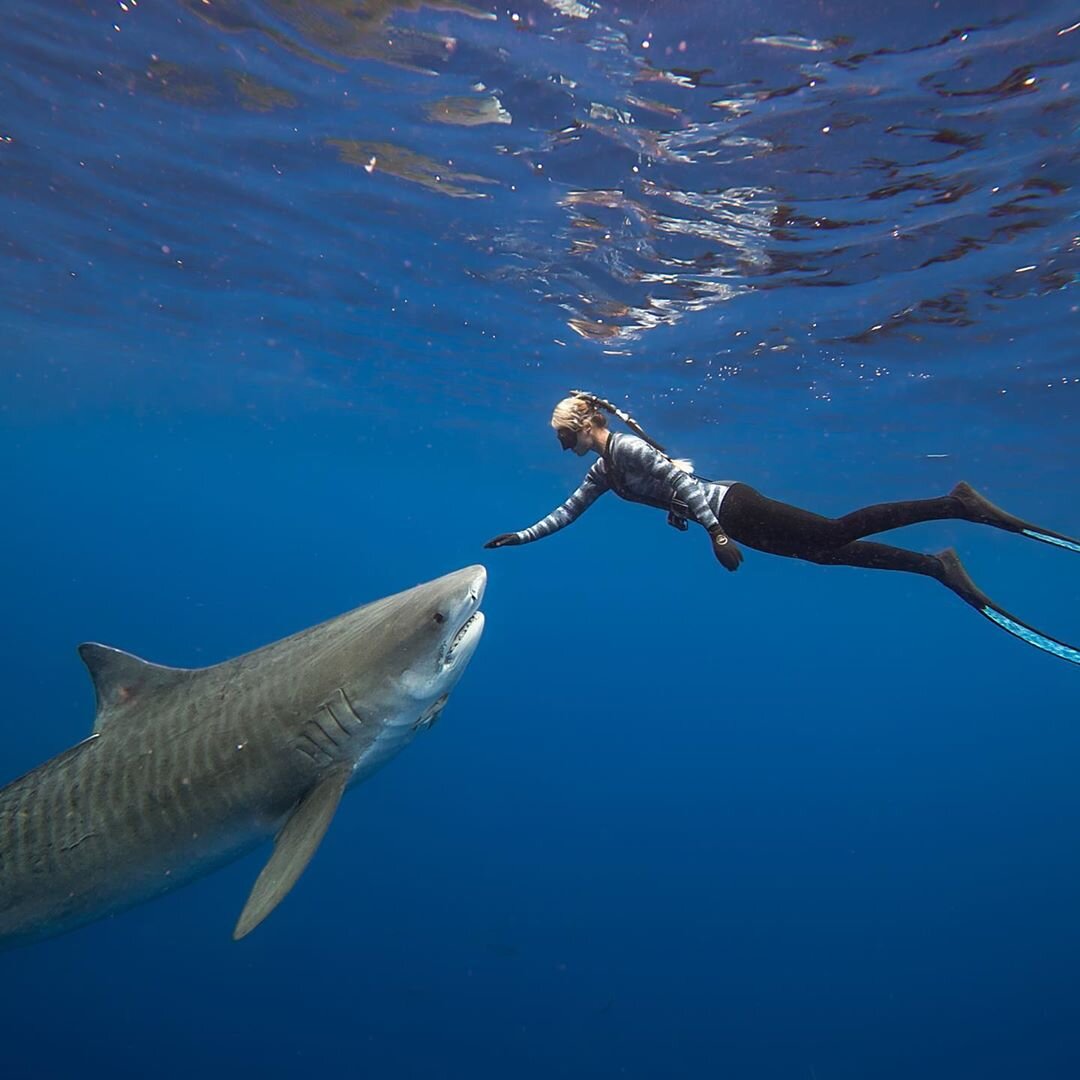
<point>289,292</point>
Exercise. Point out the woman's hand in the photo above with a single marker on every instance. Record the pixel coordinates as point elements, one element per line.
<point>727,554</point>
<point>504,540</point>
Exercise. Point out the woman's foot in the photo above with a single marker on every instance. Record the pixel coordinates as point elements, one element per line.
<point>980,509</point>
<point>956,578</point>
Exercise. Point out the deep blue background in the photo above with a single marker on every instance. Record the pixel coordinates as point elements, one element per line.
<point>794,822</point>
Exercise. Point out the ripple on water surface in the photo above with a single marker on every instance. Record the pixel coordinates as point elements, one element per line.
<point>617,170</point>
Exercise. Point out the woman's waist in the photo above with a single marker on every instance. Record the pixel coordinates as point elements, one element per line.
<point>665,499</point>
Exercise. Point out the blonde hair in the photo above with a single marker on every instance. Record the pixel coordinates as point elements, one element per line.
<point>576,412</point>
<point>582,408</point>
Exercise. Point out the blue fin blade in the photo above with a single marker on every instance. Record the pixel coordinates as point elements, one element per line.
<point>1031,635</point>
<point>1052,538</point>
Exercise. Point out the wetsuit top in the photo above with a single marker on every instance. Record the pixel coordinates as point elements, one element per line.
<point>633,469</point>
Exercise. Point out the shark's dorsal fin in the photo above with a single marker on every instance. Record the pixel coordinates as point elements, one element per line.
<point>121,679</point>
<point>293,848</point>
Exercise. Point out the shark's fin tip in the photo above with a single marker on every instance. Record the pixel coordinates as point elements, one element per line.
<point>242,929</point>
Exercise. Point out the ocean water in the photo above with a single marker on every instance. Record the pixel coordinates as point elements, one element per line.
<point>289,292</point>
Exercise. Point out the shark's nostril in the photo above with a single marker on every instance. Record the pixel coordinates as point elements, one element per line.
<point>439,617</point>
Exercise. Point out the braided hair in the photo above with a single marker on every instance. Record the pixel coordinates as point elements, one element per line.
<point>602,403</point>
<point>576,410</point>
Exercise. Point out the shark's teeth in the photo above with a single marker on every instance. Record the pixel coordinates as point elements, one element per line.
<point>461,633</point>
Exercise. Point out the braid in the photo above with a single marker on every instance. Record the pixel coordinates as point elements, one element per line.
<point>626,418</point>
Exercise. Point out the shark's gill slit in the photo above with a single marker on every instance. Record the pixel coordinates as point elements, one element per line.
<point>326,729</point>
<point>329,708</point>
<point>345,716</point>
<point>352,708</point>
<point>320,738</point>
<point>313,751</point>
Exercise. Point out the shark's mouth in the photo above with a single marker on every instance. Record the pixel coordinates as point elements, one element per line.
<point>459,637</point>
<point>465,638</point>
<point>472,622</point>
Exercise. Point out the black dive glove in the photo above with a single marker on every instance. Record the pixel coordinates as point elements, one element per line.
<point>504,540</point>
<point>727,554</point>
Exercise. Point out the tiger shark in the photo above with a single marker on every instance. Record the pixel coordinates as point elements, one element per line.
<point>187,769</point>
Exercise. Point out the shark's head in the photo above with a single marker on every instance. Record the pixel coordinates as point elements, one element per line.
<point>441,624</point>
<point>410,649</point>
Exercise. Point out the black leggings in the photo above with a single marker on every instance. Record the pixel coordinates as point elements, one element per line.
<point>750,518</point>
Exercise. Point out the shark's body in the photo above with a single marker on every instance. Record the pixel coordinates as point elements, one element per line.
<point>188,769</point>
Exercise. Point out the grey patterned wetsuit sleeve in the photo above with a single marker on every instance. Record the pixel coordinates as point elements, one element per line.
<point>592,487</point>
<point>637,456</point>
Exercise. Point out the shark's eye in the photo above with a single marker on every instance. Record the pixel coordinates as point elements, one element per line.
<point>439,617</point>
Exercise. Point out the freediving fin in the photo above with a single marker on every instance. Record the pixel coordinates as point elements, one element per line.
<point>957,578</point>
<point>1029,634</point>
<point>980,509</point>
<point>293,848</point>
<point>1048,537</point>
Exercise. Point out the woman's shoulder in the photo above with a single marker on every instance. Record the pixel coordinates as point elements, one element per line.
<point>630,446</point>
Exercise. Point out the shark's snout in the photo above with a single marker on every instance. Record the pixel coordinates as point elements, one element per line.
<point>470,582</point>
<point>467,622</point>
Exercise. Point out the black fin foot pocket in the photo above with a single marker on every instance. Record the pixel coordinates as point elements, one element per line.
<point>980,509</point>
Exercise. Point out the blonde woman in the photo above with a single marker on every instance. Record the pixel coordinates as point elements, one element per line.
<point>637,468</point>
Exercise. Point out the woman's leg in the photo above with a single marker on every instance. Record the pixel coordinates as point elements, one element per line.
<point>894,515</point>
<point>750,518</point>
<point>871,556</point>
<point>789,530</point>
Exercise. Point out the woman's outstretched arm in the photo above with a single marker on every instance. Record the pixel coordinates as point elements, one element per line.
<point>592,487</point>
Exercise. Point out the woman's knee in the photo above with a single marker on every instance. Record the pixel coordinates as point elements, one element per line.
<point>817,539</point>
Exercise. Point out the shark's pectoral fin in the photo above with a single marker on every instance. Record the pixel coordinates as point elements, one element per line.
<point>293,848</point>
<point>122,679</point>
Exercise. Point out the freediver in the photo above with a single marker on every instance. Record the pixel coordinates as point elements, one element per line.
<point>638,469</point>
